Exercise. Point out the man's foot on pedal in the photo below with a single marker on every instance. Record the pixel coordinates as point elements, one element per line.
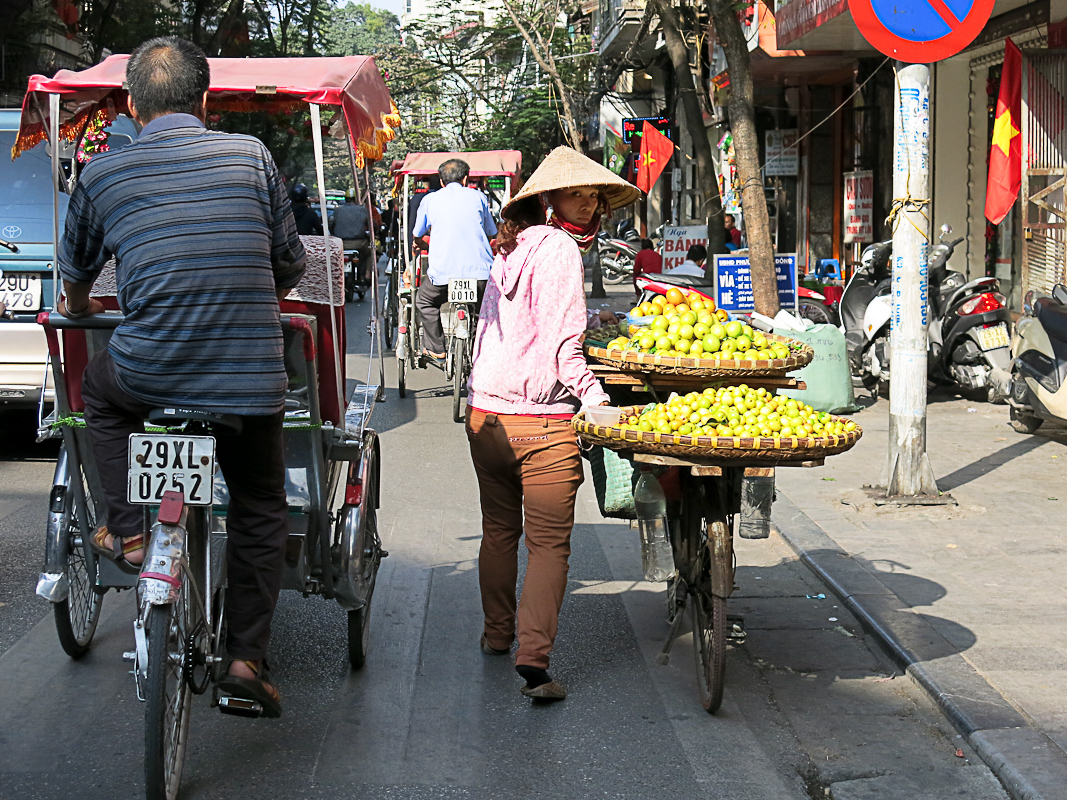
<point>128,553</point>
<point>249,680</point>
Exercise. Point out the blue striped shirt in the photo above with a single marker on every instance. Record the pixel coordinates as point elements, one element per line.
<point>203,235</point>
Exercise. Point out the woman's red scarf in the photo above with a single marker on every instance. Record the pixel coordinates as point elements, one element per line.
<point>585,235</point>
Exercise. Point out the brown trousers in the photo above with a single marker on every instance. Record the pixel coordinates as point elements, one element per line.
<point>527,467</point>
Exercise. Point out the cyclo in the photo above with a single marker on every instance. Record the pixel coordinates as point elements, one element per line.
<point>332,456</point>
<point>495,172</point>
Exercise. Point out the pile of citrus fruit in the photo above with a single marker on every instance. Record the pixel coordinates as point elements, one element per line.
<point>691,326</point>
<point>736,411</point>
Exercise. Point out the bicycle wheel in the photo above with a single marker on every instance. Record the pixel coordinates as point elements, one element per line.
<point>168,697</point>
<point>459,379</point>
<point>369,546</point>
<point>391,313</point>
<point>76,616</point>
<point>709,643</point>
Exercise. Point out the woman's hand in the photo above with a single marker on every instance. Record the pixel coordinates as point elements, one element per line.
<point>607,318</point>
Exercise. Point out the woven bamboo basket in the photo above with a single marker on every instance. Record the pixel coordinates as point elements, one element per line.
<point>744,448</point>
<point>709,367</point>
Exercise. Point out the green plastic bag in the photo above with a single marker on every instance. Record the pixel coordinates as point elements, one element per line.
<point>828,376</point>
<point>614,479</point>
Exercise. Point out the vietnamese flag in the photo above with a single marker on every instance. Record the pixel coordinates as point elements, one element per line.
<point>1006,150</point>
<point>656,151</point>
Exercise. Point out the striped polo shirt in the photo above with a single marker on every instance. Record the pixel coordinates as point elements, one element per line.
<point>202,233</point>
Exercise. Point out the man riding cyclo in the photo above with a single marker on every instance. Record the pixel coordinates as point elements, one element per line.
<point>352,224</point>
<point>460,224</point>
<point>205,246</point>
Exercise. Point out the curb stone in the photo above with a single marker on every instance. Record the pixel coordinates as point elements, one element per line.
<point>976,709</point>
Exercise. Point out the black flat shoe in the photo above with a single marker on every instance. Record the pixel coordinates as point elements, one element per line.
<point>257,689</point>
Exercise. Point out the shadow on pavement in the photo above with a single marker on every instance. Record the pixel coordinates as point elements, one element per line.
<point>986,464</point>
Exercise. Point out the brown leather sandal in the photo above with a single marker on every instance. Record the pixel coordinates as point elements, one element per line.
<point>119,549</point>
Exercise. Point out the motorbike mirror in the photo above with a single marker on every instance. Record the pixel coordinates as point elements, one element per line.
<point>946,229</point>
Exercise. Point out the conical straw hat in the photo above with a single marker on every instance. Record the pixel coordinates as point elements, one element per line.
<point>565,167</point>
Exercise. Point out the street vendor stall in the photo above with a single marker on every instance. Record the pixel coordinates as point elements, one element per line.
<point>715,433</point>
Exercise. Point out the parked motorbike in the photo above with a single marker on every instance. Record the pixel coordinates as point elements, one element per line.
<point>1039,362</point>
<point>866,308</point>
<point>814,306</point>
<point>649,286</point>
<point>969,324</point>
<point>616,259</point>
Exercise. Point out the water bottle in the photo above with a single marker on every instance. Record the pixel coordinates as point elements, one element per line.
<point>657,558</point>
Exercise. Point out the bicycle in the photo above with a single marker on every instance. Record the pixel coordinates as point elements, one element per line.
<point>463,297</point>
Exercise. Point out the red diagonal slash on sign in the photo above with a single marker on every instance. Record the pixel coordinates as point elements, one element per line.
<point>962,31</point>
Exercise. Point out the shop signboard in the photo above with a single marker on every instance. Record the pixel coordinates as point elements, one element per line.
<point>858,221</point>
<point>783,155</point>
<point>678,239</point>
<point>920,31</point>
<point>632,125</point>
<point>733,282</point>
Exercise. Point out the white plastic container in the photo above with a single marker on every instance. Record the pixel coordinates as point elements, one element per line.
<point>608,416</point>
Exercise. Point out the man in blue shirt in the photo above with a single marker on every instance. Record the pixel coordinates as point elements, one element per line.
<point>460,225</point>
<point>205,246</point>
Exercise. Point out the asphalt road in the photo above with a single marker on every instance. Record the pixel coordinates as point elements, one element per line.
<point>810,711</point>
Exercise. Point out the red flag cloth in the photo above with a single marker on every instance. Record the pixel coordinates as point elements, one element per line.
<point>1006,150</point>
<point>656,152</point>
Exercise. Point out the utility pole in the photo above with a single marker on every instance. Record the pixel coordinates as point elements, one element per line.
<point>908,472</point>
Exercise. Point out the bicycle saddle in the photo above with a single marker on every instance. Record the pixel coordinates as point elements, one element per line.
<point>170,417</point>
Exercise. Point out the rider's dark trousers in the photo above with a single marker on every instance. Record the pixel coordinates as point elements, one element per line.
<point>256,523</point>
<point>428,302</point>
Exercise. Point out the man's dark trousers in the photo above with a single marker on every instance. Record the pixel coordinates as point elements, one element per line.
<point>256,525</point>
<point>428,302</point>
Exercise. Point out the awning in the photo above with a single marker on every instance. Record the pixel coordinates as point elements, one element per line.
<point>482,163</point>
<point>351,83</point>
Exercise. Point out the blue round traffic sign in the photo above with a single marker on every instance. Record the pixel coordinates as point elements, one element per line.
<point>920,31</point>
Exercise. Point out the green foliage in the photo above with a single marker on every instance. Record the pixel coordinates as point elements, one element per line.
<point>530,125</point>
<point>361,29</point>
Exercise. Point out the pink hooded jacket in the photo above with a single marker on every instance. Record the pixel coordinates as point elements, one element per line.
<point>528,354</point>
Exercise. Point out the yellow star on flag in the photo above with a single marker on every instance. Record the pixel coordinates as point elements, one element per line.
<point>1004,131</point>
<point>647,159</point>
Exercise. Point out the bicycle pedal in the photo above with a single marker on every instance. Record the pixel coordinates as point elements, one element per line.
<point>239,707</point>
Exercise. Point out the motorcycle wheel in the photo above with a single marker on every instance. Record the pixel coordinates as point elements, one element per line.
<point>1023,422</point>
<point>816,312</point>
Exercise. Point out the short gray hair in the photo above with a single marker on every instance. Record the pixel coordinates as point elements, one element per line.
<point>453,171</point>
<point>167,75</point>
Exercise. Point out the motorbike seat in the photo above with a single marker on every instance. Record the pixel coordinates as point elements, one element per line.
<point>172,417</point>
<point>685,280</point>
<point>1053,317</point>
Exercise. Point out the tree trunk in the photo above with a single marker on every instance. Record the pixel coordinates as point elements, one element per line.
<point>679,55</point>
<point>746,151</point>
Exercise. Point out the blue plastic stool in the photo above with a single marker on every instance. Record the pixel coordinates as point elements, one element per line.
<point>828,269</point>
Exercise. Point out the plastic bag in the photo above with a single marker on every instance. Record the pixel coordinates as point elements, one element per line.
<point>828,376</point>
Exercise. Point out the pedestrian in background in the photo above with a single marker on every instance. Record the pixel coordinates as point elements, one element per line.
<point>529,377</point>
<point>647,262</point>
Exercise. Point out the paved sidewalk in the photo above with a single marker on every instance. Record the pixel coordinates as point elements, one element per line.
<point>971,599</point>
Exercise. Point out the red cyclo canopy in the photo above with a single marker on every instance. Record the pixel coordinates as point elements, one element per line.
<point>352,83</point>
<point>487,162</point>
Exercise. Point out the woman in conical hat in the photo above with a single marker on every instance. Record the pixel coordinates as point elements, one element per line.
<point>528,379</point>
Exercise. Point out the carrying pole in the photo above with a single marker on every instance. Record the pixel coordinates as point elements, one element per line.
<point>908,472</point>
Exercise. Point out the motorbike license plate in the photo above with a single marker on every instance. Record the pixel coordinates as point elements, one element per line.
<point>463,291</point>
<point>21,292</point>
<point>993,337</point>
<point>164,463</point>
